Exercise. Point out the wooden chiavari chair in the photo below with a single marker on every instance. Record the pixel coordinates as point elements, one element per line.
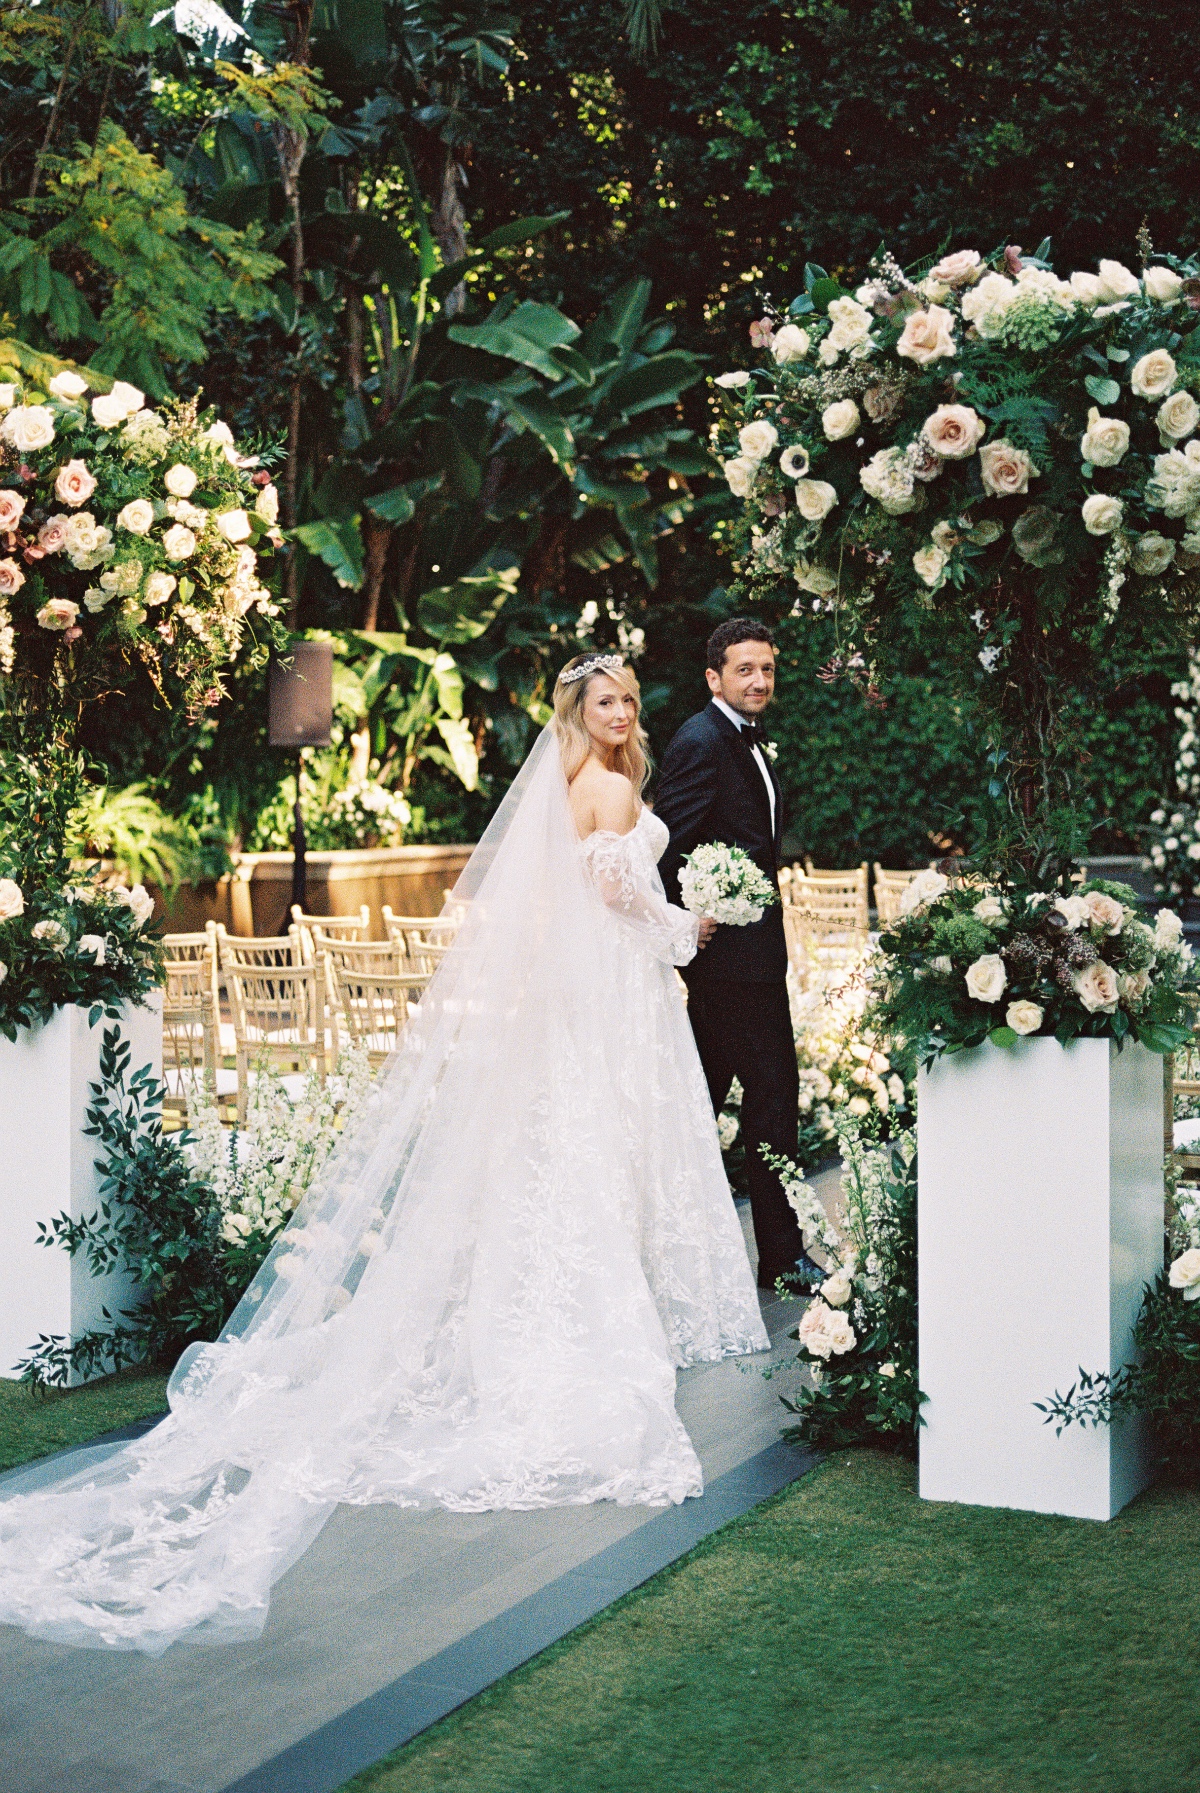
<point>889,888</point>
<point>336,927</point>
<point>425,939</point>
<point>280,1020</point>
<point>374,1007</point>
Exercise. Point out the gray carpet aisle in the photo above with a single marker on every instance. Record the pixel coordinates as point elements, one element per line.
<point>392,1619</point>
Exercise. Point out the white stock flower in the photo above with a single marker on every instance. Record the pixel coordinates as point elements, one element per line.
<point>790,343</point>
<point>929,563</point>
<point>850,328</point>
<point>179,480</point>
<point>926,887</point>
<point>1154,375</point>
<point>794,462</point>
<point>137,516</point>
<point>986,978</point>
<point>954,431</point>
<point>1185,1274</point>
<point>1097,988</point>
<point>179,543</point>
<point>1117,282</point>
<point>68,385</point>
<point>12,899</point>
<point>927,336</point>
<point>840,420</point>
<point>815,498</point>
<point>1101,514</point>
<point>1162,284</point>
<point>734,380</point>
<point>28,428</point>
<point>1024,1017</point>
<point>1105,440</point>
<point>740,474</point>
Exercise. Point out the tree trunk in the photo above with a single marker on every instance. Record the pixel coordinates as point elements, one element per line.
<point>448,222</point>
<point>377,539</point>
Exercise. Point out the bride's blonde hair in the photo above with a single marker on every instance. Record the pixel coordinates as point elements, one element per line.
<point>573,739</point>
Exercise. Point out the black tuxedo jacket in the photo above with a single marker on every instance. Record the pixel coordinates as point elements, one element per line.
<point>710,788</point>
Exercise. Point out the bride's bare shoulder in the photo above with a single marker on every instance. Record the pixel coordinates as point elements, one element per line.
<point>603,801</point>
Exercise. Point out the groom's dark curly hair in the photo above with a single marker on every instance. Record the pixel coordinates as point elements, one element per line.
<point>727,634</point>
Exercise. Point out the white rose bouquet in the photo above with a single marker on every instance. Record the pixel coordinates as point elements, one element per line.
<point>1000,459</point>
<point>125,531</point>
<point>724,884</point>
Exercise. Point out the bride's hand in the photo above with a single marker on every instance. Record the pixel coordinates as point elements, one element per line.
<point>708,928</point>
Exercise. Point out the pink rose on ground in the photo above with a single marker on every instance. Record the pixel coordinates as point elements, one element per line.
<point>927,336</point>
<point>1097,988</point>
<point>1005,470</point>
<point>954,431</point>
<point>1104,911</point>
<point>52,536</point>
<point>11,506</point>
<point>58,614</point>
<point>959,268</point>
<point>11,578</point>
<point>74,484</point>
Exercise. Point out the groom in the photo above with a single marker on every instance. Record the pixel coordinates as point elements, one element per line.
<point>717,783</point>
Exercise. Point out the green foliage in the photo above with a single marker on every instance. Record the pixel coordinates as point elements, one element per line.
<point>129,827</point>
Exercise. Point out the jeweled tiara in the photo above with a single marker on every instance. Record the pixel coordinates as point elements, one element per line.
<point>598,663</point>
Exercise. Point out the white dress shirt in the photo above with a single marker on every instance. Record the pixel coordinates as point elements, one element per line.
<point>739,722</point>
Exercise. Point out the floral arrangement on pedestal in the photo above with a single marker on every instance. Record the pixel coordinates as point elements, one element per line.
<point>858,1333</point>
<point>1003,460</point>
<point>129,530</point>
<point>965,964</point>
<point>1174,830</point>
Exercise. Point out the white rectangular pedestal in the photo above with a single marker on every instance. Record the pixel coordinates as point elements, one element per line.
<point>47,1167</point>
<point>1040,1217</point>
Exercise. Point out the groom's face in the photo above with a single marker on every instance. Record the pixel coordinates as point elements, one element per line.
<point>746,682</point>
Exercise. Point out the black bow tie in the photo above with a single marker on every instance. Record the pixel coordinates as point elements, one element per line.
<point>754,733</point>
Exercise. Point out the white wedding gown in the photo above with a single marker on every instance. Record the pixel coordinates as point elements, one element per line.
<point>483,1299</point>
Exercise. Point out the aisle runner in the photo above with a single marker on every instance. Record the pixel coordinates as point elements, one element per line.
<point>392,1619</point>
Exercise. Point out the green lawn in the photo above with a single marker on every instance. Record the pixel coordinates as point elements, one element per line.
<point>849,1638</point>
<point>34,1425</point>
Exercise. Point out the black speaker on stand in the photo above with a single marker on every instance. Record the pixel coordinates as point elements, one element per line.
<point>300,697</point>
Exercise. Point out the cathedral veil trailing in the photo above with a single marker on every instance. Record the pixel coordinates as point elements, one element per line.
<point>481,1302</point>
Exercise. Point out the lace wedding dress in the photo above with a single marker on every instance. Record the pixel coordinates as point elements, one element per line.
<point>483,1299</point>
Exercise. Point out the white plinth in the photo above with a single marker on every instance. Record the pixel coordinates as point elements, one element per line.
<point>1040,1217</point>
<point>47,1167</point>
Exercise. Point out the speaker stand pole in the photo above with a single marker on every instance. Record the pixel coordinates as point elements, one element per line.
<point>299,848</point>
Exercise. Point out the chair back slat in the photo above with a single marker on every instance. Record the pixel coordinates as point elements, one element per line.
<point>889,888</point>
<point>361,955</point>
<point>425,939</point>
<point>336,927</point>
<point>261,951</point>
<point>374,1006</point>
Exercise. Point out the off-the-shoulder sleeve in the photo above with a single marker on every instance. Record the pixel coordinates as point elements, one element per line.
<point>630,886</point>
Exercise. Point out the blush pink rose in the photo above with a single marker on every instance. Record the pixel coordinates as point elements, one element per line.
<point>74,485</point>
<point>1005,470</point>
<point>11,506</point>
<point>11,578</point>
<point>927,336</point>
<point>52,536</point>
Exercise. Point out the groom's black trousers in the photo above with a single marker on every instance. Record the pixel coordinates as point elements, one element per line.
<point>744,1030</point>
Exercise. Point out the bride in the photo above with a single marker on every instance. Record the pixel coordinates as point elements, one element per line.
<point>483,1299</point>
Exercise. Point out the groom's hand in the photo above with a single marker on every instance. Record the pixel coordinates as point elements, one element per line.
<point>708,928</point>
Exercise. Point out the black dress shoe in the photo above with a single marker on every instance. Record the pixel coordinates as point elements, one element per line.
<point>799,1278</point>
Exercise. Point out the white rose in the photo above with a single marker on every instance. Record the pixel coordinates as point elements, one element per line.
<point>757,439</point>
<point>93,944</point>
<point>8,396</point>
<point>1104,911</point>
<point>815,498</point>
<point>179,542</point>
<point>266,505</point>
<point>141,904</point>
<point>888,1370</point>
<point>986,978</point>
<point>12,899</point>
<point>1105,440</point>
<point>53,933</point>
<point>741,378</point>
<point>28,428</point>
<point>68,385</point>
<point>1023,1017</point>
<point>927,335</point>
<point>993,294</point>
<point>1162,285</point>
<point>989,909</point>
<point>837,1289</point>
<point>929,563</point>
<point>1168,929</point>
<point>108,411</point>
<point>816,579</point>
<point>793,462</point>
<point>1116,282</point>
<point>1101,514</point>
<point>957,269</point>
<point>1005,470</point>
<point>1177,417</point>
<point>234,525</point>
<point>128,396</point>
<point>137,516</point>
<point>1086,288</point>
<point>58,614</point>
<point>1185,1274</point>
<point>790,343</point>
<point>926,887</point>
<point>159,587</point>
<point>840,420</point>
<point>1152,554</point>
<point>1133,988</point>
<point>740,474</point>
<point>1097,988</point>
<point>1075,910</point>
<point>179,480</point>
<point>954,431</point>
<point>1154,375</point>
